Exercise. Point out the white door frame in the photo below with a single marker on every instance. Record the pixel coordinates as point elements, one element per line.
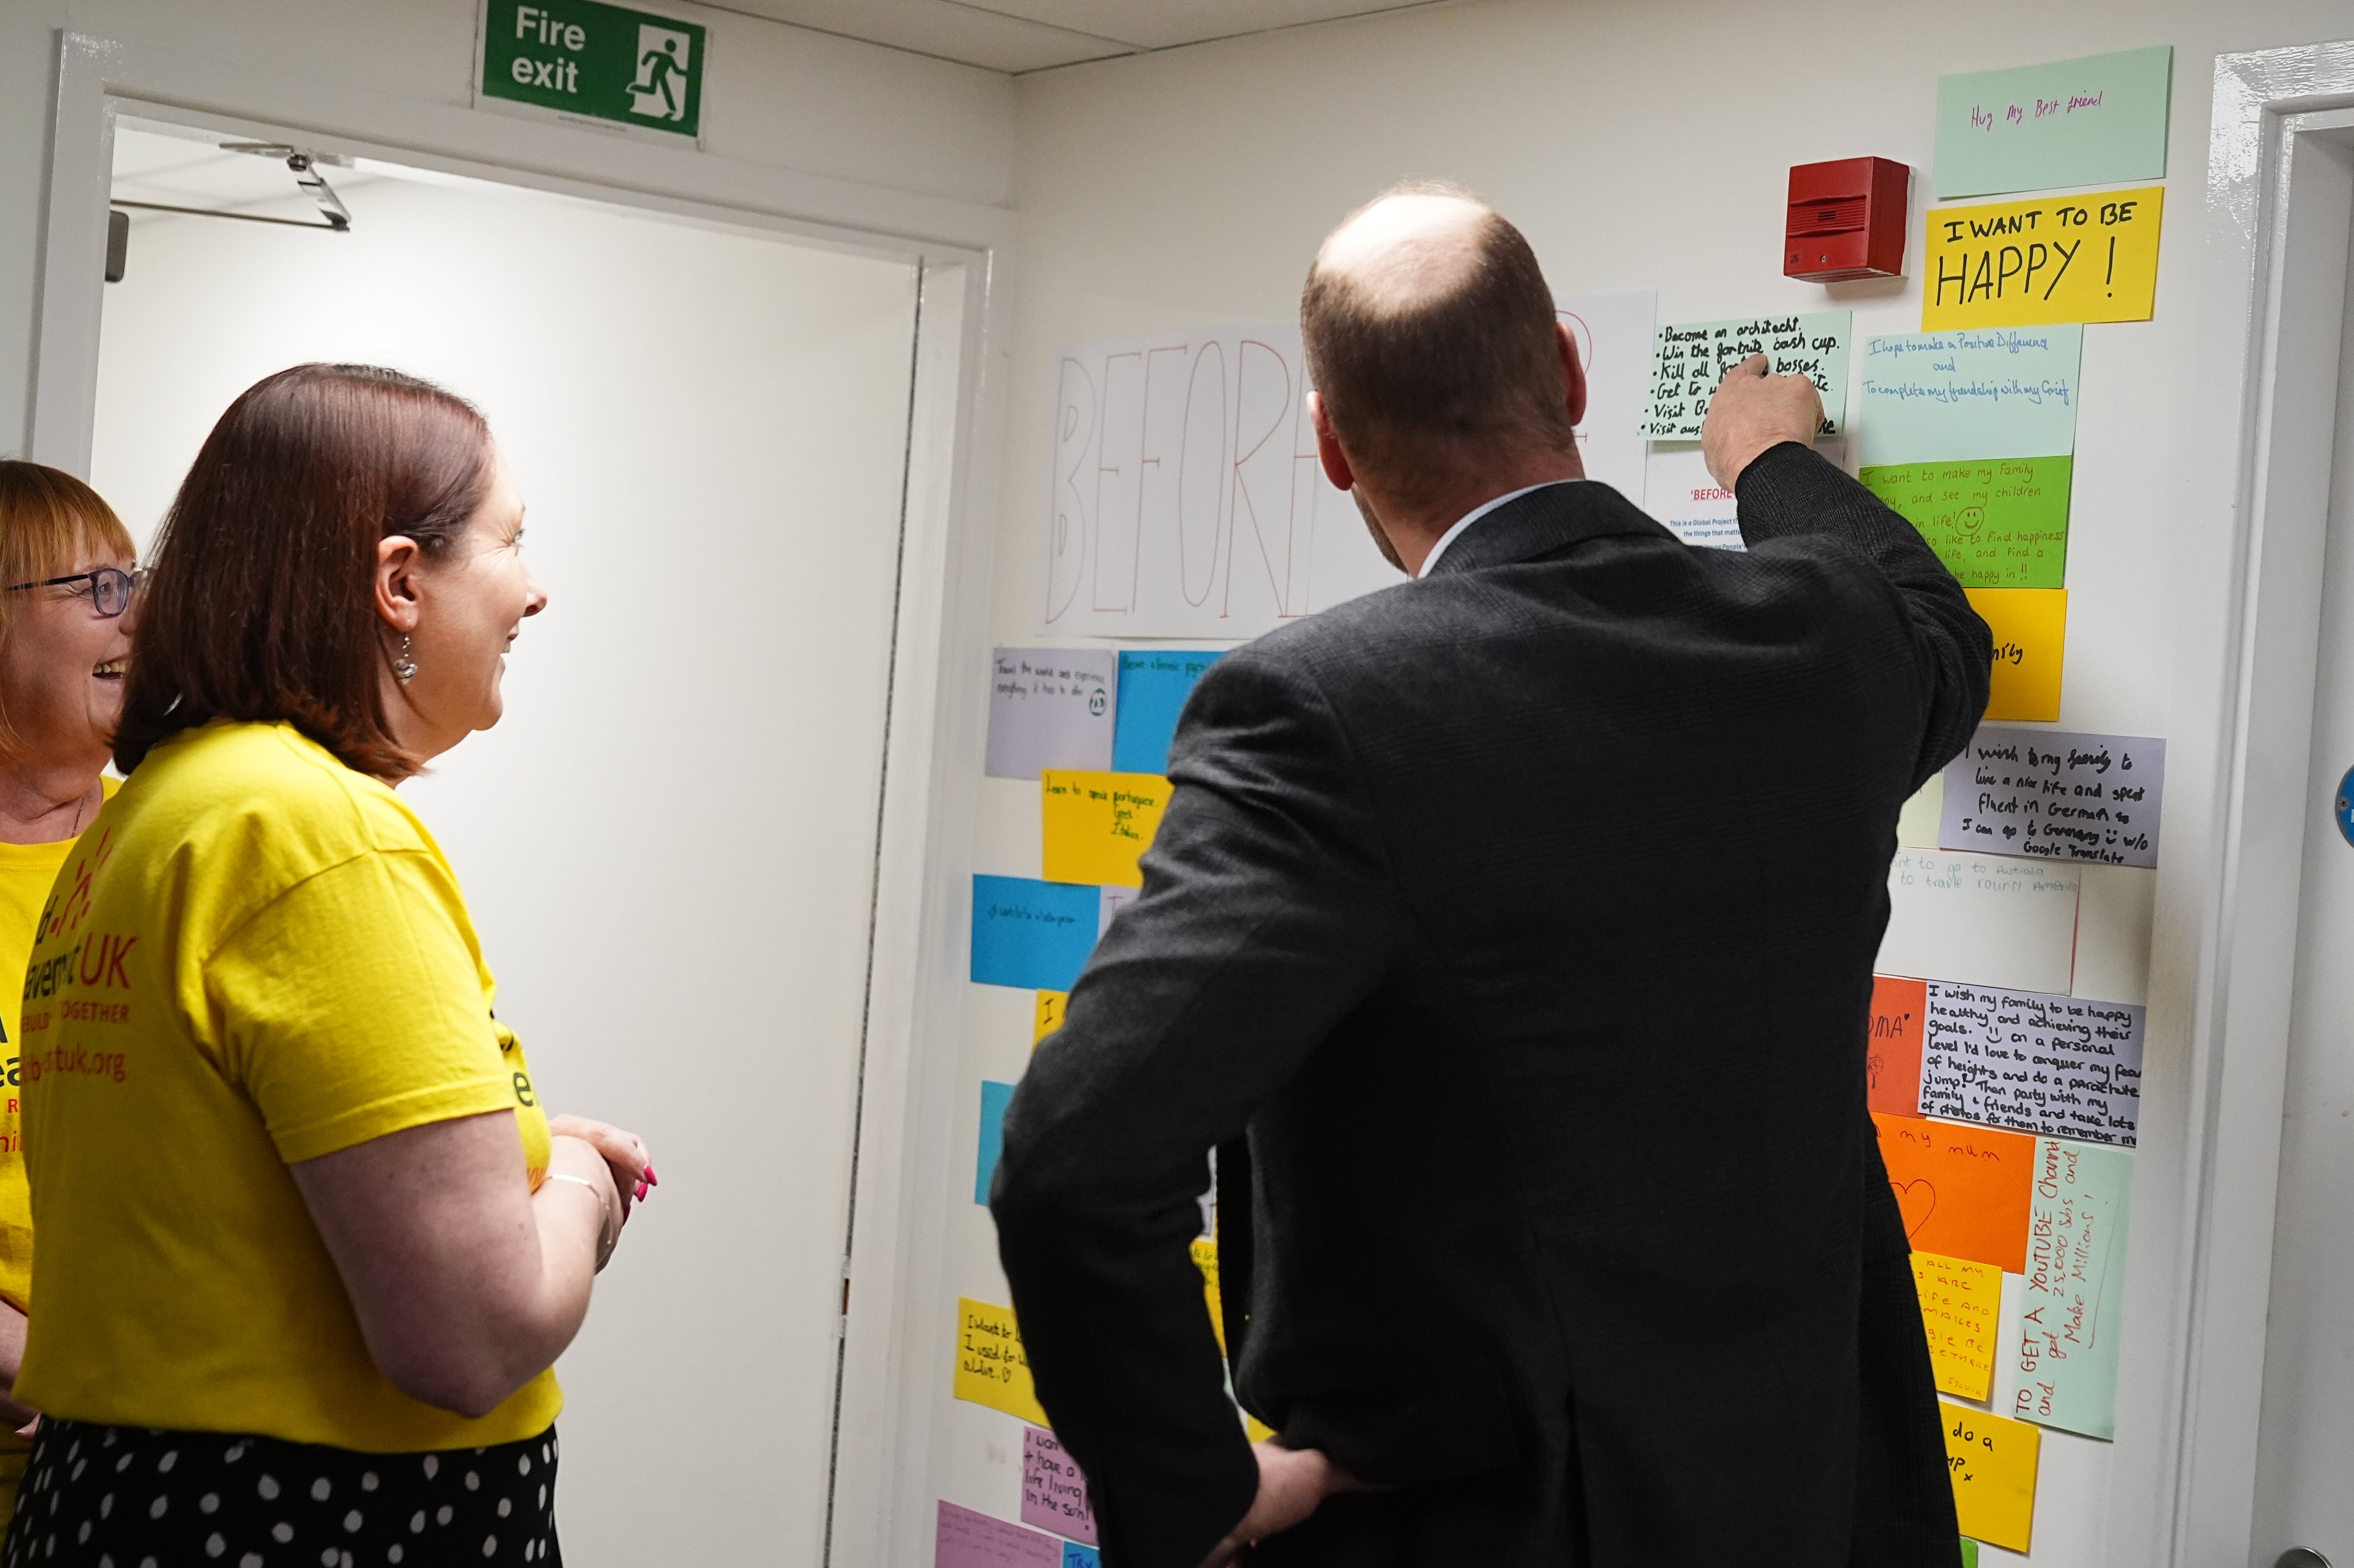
<point>2280,190</point>
<point>894,1346</point>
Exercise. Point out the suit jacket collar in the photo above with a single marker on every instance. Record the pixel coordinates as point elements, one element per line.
<point>1541,522</point>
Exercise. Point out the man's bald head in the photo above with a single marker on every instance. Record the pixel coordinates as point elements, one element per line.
<point>1430,336</point>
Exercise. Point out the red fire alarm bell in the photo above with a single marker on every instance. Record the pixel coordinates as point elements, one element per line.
<point>1847,220</point>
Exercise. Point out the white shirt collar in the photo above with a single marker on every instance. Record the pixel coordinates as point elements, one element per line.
<point>1474,515</point>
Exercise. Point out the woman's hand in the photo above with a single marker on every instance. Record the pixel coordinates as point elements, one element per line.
<point>626,1152</point>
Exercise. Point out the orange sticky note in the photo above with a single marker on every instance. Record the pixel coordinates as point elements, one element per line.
<point>1051,1003</point>
<point>1959,1303</point>
<point>2030,634</point>
<point>1963,1190</point>
<point>1098,823</point>
<point>990,1367</point>
<point>1993,1459</point>
<point>1891,1061</point>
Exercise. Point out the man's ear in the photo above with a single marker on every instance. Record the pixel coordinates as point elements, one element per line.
<point>397,561</point>
<point>1335,462</point>
<point>1572,374</point>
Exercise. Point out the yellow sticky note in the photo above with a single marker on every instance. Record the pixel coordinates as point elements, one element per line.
<point>1205,1258</point>
<point>1049,1016</point>
<point>1959,1302</point>
<point>2035,263</point>
<point>1258,1431</point>
<point>1993,1461</point>
<point>2030,634</point>
<point>990,1367</point>
<point>1098,823</point>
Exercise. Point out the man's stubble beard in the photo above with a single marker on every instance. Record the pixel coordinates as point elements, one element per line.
<point>1374,526</point>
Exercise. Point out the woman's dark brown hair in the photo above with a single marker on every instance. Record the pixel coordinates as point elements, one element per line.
<point>260,602</point>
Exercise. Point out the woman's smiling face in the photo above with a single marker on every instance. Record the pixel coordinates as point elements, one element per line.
<point>61,665</point>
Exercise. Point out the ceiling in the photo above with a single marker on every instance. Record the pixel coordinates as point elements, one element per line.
<point>1035,35</point>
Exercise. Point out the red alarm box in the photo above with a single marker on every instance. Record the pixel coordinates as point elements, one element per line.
<point>1847,220</point>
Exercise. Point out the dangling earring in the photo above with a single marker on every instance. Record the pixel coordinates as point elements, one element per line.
<point>404,668</point>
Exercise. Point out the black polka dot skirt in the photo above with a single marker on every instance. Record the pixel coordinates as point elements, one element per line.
<point>123,1497</point>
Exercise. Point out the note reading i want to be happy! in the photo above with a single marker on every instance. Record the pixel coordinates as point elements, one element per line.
<point>2028,263</point>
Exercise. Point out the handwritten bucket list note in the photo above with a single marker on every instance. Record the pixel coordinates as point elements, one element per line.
<point>1981,920</point>
<point>1033,934</point>
<point>1153,685</point>
<point>1053,1492</point>
<point>2059,258</point>
<point>1954,397</point>
<point>1995,522</point>
<point>2031,646</point>
<point>1689,359</point>
<point>2098,121</point>
<point>1096,824</point>
<point>1961,1303</point>
<point>966,1538</point>
<point>1993,1461</point>
<point>990,1367</point>
<point>2063,1065</point>
<point>2052,795</point>
<point>1891,1061</point>
<point>1963,1190</point>
<point>2073,1307</point>
<point>1050,707</point>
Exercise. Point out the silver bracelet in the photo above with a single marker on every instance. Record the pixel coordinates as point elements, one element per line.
<point>609,1235</point>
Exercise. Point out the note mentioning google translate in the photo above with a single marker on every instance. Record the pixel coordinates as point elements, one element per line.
<point>2044,794</point>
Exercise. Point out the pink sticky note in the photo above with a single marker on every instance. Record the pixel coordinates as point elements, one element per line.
<point>969,1540</point>
<point>1053,1492</point>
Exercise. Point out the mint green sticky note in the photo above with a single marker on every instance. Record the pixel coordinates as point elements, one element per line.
<point>2092,121</point>
<point>1969,392</point>
<point>1995,522</point>
<point>2071,1304</point>
<point>1969,1553</point>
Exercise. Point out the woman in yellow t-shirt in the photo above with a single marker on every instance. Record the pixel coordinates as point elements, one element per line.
<point>67,572</point>
<point>309,1243</point>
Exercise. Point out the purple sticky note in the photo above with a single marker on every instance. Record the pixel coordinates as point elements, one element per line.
<point>969,1540</point>
<point>1053,1492</point>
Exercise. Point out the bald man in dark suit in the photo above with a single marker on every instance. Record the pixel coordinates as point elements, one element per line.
<point>1511,931</point>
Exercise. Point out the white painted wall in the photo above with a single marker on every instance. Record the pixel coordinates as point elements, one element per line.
<point>669,841</point>
<point>1639,146</point>
<point>783,97</point>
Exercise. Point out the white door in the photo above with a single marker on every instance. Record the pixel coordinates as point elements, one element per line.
<point>2305,1470</point>
<point>669,842</point>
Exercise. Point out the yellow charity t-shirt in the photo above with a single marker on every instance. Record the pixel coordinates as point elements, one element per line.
<point>27,872</point>
<point>254,956</point>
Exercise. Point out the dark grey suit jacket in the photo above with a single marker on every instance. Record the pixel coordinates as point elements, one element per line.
<point>1523,916</point>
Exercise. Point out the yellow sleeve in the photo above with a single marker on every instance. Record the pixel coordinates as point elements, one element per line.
<point>351,1006</point>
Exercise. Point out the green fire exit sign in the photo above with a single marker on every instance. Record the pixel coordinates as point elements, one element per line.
<point>604,62</point>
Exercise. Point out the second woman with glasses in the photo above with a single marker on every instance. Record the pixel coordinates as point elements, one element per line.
<point>66,579</point>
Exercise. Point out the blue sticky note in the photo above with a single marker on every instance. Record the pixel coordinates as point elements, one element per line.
<point>1077,1556</point>
<point>1153,685</point>
<point>1033,934</point>
<point>993,1098</point>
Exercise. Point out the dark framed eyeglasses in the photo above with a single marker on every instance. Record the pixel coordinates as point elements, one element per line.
<point>110,591</point>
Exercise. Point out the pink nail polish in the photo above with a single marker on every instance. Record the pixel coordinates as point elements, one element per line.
<point>652,1180</point>
<point>642,1191</point>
